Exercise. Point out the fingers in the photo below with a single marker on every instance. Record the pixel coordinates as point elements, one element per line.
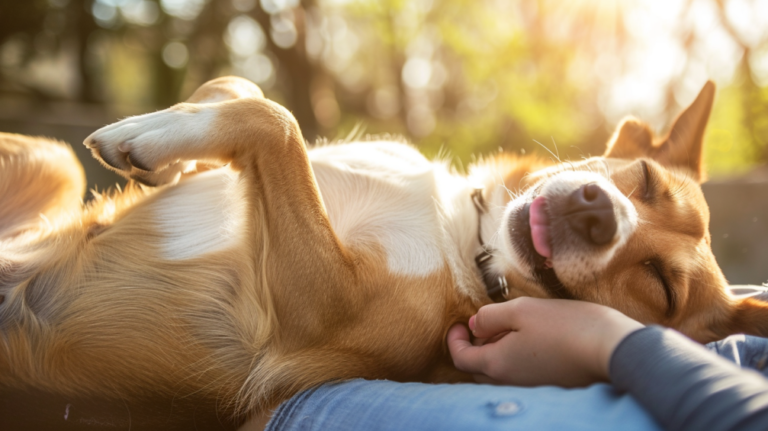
<point>494,319</point>
<point>466,357</point>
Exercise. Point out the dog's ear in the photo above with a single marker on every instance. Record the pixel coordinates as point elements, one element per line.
<point>632,139</point>
<point>749,316</point>
<point>740,316</point>
<point>681,147</point>
<point>683,144</point>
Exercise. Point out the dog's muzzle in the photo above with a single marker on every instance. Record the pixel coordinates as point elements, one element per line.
<point>589,213</point>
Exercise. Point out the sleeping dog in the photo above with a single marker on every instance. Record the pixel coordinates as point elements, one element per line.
<point>245,267</point>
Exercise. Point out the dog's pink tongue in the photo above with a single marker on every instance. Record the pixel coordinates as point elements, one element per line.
<point>540,227</point>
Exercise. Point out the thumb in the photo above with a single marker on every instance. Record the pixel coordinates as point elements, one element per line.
<point>466,357</point>
<point>493,319</point>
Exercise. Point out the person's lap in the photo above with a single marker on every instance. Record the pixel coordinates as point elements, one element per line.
<point>385,405</point>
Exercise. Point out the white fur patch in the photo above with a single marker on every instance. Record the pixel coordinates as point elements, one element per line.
<point>201,215</point>
<point>156,139</point>
<point>382,193</point>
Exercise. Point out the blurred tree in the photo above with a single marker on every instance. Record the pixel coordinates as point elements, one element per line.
<point>24,17</point>
<point>80,26</point>
<point>753,98</point>
<point>20,22</point>
<point>457,77</point>
<point>296,71</point>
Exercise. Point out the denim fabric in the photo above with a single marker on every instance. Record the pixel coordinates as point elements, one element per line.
<point>389,406</point>
<point>384,405</point>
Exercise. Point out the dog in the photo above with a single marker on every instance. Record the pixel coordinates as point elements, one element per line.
<point>246,268</point>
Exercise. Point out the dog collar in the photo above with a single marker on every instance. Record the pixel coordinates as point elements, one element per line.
<point>495,285</point>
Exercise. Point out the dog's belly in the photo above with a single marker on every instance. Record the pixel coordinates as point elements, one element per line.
<point>203,214</point>
<point>378,195</point>
<point>383,195</point>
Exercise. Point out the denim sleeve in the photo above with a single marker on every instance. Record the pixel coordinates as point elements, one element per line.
<point>685,387</point>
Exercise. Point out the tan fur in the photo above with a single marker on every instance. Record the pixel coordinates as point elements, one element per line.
<point>40,181</point>
<point>94,306</point>
<point>253,325</point>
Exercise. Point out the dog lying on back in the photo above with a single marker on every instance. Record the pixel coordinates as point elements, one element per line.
<point>276,268</point>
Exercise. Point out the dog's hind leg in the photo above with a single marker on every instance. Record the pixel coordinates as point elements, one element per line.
<point>232,123</point>
<point>166,127</point>
<point>302,266</point>
<point>40,181</point>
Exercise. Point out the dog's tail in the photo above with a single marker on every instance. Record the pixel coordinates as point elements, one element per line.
<point>41,181</point>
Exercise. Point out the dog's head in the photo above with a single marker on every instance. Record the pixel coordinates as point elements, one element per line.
<point>628,230</point>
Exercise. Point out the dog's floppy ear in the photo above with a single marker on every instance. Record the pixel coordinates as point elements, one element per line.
<point>681,147</point>
<point>683,144</point>
<point>749,316</point>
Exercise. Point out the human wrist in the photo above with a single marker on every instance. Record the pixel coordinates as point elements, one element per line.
<point>617,327</point>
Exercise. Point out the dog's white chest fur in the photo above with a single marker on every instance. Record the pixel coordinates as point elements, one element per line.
<point>203,214</point>
<point>378,195</point>
<point>382,194</point>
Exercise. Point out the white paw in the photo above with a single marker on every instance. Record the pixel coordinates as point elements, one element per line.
<point>148,148</point>
<point>141,142</point>
<point>167,175</point>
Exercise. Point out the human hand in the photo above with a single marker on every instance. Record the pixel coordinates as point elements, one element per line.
<point>530,342</point>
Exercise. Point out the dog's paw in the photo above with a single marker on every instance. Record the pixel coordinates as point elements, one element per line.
<point>148,148</point>
<point>167,175</point>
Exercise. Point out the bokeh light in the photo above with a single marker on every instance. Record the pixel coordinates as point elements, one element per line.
<point>456,77</point>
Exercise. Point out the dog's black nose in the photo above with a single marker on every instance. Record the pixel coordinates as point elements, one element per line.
<point>590,214</point>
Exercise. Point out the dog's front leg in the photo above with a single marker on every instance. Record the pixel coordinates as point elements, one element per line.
<point>306,263</point>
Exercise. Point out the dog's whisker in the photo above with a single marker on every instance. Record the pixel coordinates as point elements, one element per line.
<point>556,149</point>
<point>548,150</point>
<point>573,167</point>
<point>504,186</point>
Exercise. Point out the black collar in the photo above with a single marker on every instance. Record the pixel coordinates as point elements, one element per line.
<point>495,285</point>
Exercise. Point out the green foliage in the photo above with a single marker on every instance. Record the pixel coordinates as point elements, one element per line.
<point>456,77</point>
<point>728,147</point>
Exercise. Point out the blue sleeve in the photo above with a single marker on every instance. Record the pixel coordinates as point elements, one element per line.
<point>685,387</point>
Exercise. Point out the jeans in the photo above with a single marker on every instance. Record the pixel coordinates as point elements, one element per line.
<point>385,405</point>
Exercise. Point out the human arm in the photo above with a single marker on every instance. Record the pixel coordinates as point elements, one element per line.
<point>682,385</point>
<point>686,387</point>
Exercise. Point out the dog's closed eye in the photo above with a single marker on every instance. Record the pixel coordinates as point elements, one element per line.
<point>656,269</point>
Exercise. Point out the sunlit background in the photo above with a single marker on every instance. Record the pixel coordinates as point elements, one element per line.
<point>457,77</point>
